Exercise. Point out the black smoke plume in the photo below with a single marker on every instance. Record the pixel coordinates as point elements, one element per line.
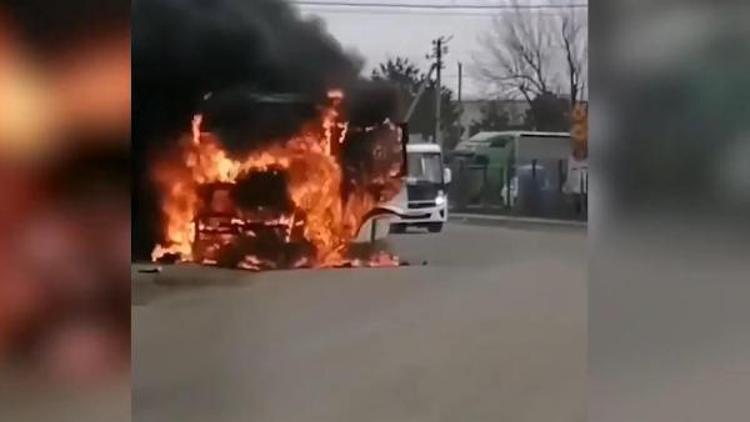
<point>184,49</point>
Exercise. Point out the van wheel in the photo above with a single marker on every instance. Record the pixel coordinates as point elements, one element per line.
<point>435,227</point>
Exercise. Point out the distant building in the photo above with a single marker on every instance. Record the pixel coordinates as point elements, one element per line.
<point>471,111</point>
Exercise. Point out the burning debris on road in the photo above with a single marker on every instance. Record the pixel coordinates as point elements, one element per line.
<point>293,202</point>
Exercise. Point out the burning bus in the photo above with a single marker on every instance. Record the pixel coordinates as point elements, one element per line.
<point>276,195</point>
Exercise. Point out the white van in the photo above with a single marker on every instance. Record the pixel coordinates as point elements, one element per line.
<point>423,201</point>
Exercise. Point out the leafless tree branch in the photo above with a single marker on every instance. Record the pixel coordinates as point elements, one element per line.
<point>573,41</point>
<point>518,53</point>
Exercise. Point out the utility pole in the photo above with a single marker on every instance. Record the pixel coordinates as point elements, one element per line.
<point>440,48</point>
<point>439,61</point>
<point>460,80</point>
<point>460,104</point>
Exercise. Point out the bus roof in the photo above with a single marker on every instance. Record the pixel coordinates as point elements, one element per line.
<point>423,147</point>
<point>488,135</point>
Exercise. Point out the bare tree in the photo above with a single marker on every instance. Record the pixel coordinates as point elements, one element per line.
<point>522,51</point>
<point>572,37</point>
<point>517,54</point>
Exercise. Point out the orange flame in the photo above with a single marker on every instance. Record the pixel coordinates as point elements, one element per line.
<point>330,220</point>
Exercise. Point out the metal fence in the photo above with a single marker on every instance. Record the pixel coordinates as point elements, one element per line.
<point>536,188</point>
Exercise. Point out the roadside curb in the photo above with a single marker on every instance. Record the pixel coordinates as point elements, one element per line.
<point>505,220</point>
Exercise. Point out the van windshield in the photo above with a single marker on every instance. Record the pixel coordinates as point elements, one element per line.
<point>425,167</point>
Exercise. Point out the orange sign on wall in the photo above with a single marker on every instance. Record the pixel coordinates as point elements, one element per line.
<point>579,130</point>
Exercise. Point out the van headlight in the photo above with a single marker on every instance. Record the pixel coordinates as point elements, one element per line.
<point>440,199</point>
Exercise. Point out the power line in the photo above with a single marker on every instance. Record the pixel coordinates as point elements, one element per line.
<point>419,12</point>
<point>450,10</point>
<point>458,7</point>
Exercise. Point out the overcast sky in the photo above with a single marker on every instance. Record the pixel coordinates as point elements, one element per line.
<point>379,33</point>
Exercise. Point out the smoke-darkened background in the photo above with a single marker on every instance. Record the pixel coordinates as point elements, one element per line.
<point>670,195</point>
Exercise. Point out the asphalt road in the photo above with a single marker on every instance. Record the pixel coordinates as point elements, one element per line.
<point>493,328</point>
